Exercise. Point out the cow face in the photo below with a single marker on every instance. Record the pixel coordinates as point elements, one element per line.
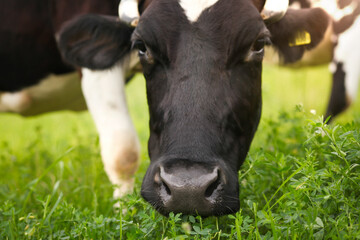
<point>204,92</point>
<point>203,74</point>
<point>202,64</point>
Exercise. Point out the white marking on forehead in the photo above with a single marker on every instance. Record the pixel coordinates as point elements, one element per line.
<point>194,8</point>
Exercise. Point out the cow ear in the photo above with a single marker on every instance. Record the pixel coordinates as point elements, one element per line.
<point>298,31</point>
<point>94,41</point>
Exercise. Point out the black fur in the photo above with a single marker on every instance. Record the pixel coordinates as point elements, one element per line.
<point>94,41</point>
<point>338,100</point>
<point>28,49</point>
<point>259,4</point>
<point>142,5</point>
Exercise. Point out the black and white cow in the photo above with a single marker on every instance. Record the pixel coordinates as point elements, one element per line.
<point>34,78</point>
<point>339,47</point>
<point>202,61</point>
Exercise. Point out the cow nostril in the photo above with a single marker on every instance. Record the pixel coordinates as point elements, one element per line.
<point>166,188</point>
<point>213,186</point>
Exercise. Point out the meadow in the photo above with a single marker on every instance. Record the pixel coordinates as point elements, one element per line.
<point>301,179</point>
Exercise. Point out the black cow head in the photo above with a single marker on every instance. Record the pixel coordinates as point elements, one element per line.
<point>204,93</point>
<point>203,83</point>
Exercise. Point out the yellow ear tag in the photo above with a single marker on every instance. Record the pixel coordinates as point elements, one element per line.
<point>302,38</point>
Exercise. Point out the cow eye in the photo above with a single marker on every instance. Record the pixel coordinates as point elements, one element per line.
<point>144,53</point>
<point>141,47</point>
<point>260,44</point>
<point>256,52</point>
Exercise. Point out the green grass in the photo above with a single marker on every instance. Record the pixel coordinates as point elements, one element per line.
<point>301,179</point>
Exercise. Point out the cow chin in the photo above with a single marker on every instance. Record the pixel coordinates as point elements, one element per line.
<point>190,187</point>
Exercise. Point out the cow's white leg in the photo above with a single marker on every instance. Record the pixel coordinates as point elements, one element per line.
<point>346,70</point>
<point>348,53</point>
<point>104,92</point>
<point>352,78</point>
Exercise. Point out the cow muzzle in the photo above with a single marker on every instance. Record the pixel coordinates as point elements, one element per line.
<point>190,188</point>
<point>274,10</point>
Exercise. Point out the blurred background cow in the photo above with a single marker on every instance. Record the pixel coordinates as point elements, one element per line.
<point>339,48</point>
